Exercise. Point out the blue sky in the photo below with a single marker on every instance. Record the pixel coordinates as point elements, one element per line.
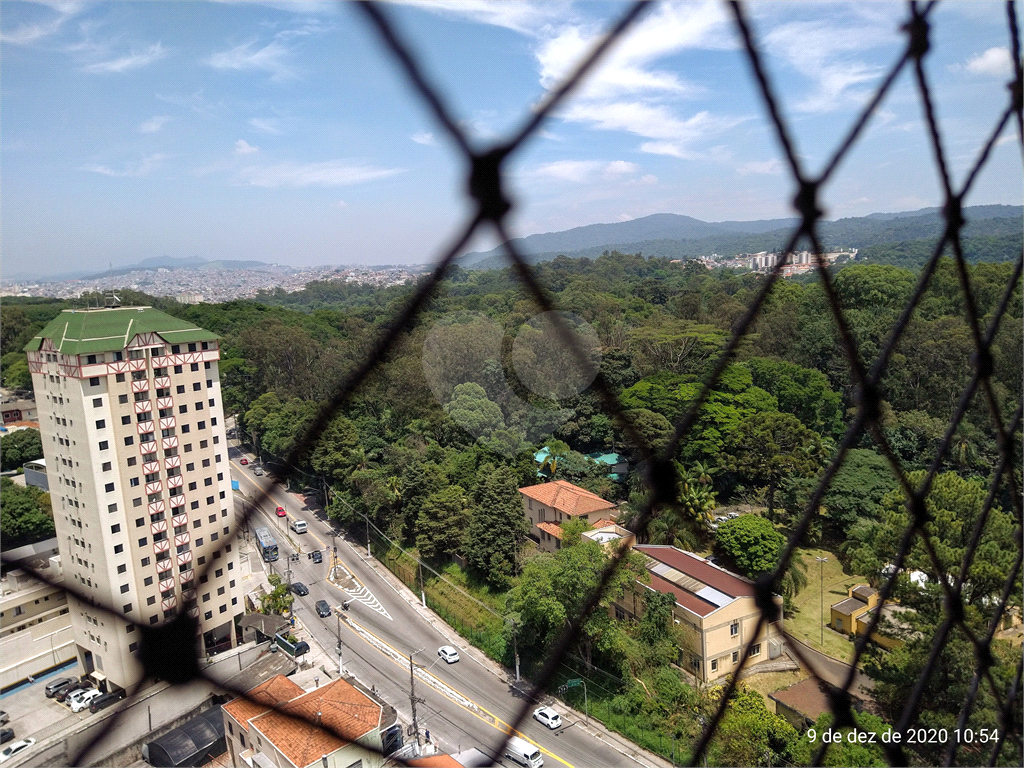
<point>281,132</point>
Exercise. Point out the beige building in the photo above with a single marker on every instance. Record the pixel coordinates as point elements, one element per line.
<point>860,598</point>
<point>265,729</point>
<point>714,608</point>
<point>137,463</point>
<point>547,505</point>
<point>35,625</point>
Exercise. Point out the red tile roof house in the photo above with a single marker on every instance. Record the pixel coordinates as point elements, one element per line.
<point>547,505</point>
<point>714,607</point>
<point>269,732</point>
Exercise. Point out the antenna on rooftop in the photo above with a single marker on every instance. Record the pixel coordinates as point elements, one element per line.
<point>111,299</point>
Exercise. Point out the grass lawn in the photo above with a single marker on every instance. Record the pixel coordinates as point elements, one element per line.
<point>805,623</point>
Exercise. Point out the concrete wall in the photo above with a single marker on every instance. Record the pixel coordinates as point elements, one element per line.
<point>36,649</point>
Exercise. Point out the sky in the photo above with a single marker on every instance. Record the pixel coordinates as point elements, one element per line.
<point>282,132</point>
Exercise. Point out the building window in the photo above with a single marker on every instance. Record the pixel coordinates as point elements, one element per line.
<point>119,378</point>
<point>126,419</point>
<point>131,461</point>
<point>129,440</point>
<point>101,424</point>
<point>97,402</point>
<point>139,522</point>
<point>199,541</point>
<point>122,568</point>
<point>122,399</point>
<point>223,609</point>
<point>144,562</point>
<point>137,501</point>
<point>133,647</point>
<point>94,381</point>
<point>124,588</point>
<point>714,665</point>
<point>192,486</point>
<point>218,573</point>
<point>104,445</point>
<point>194,367</point>
<point>148,581</point>
<point>195,505</point>
<point>143,541</point>
<point>185,429</point>
<point>133,482</point>
<point>208,615</point>
<point>620,615</point>
<point>209,499</point>
<point>116,528</point>
<point>734,629</point>
<point>755,649</point>
<point>839,624</point>
<point>118,549</point>
<point>735,656</point>
<point>234,601</point>
<point>197,387</point>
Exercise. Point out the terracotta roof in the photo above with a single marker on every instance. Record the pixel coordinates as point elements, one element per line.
<point>699,569</point>
<point>808,697</point>
<point>566,497</point>
<point>436,761</point>
<point>338,706</point>
<point>553,528</point>
<point>604,522</point>
<point>686,599</point>
<point>276,690</point>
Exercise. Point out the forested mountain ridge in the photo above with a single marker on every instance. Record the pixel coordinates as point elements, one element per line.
<point>666,239</point>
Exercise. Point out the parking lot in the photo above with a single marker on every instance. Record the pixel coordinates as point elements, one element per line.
<point>35,716</point>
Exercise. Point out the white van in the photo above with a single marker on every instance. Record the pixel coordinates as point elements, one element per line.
<point>299,526</point>
<point>524,753</point>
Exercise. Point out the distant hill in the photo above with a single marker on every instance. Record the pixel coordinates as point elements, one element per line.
<point>189,262</point>
<point>681,237</point>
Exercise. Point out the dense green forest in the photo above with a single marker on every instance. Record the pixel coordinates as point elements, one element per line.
<point>434,457</point>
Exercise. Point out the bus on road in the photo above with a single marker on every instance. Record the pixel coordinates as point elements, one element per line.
<point>266,543</point>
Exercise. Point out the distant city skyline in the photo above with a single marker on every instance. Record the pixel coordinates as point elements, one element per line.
<point>282,133</point>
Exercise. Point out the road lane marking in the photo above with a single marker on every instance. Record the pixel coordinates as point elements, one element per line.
<point>451,693</point>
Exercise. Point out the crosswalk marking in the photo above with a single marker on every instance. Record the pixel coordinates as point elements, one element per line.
<point>343,578</point>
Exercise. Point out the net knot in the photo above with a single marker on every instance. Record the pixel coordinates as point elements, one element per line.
<point>917,29</point>
<point>662,478</point>
<point>1017,94</point>
<point>985,658</point>
<point>870,402</point>
<point>918,511</point>
<point>955,608</point>
<point>168,651</point>
<point>983,362</point>
<point>485,184</point>
<point>764,597</point>
<point>954,214</point>
<point>806,201</point>
<point>840,701</point>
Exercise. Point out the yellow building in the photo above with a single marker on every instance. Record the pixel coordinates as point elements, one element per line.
<point>860,598</point>
<point>714,608</point>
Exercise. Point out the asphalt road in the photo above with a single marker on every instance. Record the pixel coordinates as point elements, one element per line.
<point>466,704</point>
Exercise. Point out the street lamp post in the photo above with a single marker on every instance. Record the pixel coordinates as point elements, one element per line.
<point>821,596</point>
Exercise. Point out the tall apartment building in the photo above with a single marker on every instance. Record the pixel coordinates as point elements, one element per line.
<point>137,459</point>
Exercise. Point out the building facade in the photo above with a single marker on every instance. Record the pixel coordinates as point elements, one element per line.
<point>132,425</point>
<point>715,610</point>
<point>547,505</point>
<point>35,625</point>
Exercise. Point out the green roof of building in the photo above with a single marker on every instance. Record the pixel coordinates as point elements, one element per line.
<point>88,331</point>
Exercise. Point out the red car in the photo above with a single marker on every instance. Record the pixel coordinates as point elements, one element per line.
<point>244,461</point>
<point>281,512</point>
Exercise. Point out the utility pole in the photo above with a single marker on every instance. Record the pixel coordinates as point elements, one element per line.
<point>412,696</point>
<point>367,519</point>
<point>821,596</point>
<point>515,648</point>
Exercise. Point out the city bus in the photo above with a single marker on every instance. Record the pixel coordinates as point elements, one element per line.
<point>267,545</point>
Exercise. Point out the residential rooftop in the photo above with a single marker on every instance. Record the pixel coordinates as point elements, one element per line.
<point>698,585</point>
<point>567,498</point>
<point>90,331</point>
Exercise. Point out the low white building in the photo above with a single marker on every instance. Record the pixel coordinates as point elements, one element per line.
<point>35,625</point>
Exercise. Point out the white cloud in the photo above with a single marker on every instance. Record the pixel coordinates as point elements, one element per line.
<point>330,173</point>
<point>154,124</point>
<point>242,147</point>
<point>270,58</point>
<point>826,53</point>
<point>129,62</point>
<point>266,126</point>
<point>424,137</point>
<point>583,171</point>
<point>520,16</point>
<point>131,170</point>
<point>771,167</point>
<point>994,61</point>
<point>27,34</point>
<point>342,204</point>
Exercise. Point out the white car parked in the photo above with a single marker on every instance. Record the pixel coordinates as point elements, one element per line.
<point>15,749</point>
<point>547,716</point>
<point>79,703</point>
<point>448,653</point>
